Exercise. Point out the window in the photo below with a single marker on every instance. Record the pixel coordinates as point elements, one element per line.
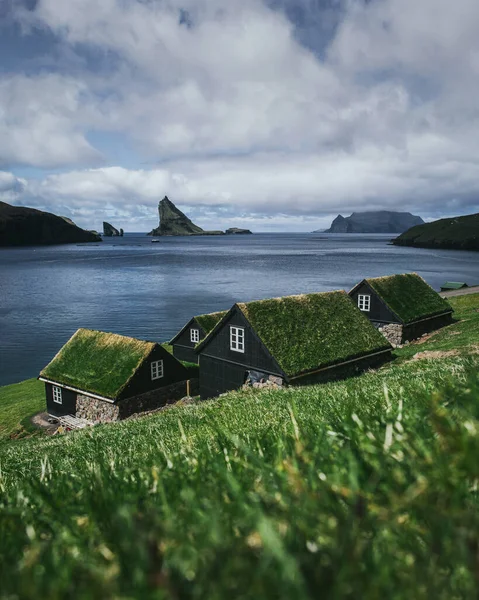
<point>157,369</point>
<point>195,335</point>
<point>364,303</point>
<point>57,394</point>
<point>237,339</point>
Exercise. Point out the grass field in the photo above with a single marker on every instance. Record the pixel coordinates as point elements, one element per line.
<point>365,488</point>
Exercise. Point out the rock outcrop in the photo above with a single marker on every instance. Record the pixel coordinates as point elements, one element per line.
<point>456,233</point>
<point>237,231</point>
<point>382,221</point>
<point>174,222</point>
<point>109,230</point>
<point>21,226</point>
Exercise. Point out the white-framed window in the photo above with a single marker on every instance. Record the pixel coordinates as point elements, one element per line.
<point>157,369</point>
<point>57,394</point>
<point>364,302</point>
<point>195,335</point>
<point>237,339</point>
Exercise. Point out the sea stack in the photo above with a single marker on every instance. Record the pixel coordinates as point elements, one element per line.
<point>109,230</point>
<point>174,222</point>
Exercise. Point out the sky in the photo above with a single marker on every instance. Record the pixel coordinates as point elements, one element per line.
<point>275,115</point>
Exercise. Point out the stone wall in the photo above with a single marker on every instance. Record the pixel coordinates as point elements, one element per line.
<point>269,381</point>
<point>393,332</point>
<point>99,411</point>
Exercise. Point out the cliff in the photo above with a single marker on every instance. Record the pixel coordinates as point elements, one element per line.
<point>174,222</point>
<point>455,233</point>
<point>382,221</point>
<point>109,230</point>
<point>20,226</point>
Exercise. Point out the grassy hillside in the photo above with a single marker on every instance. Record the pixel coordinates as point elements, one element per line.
<point>17,403</point>
<point>358,489</point>
<point>457,233</point>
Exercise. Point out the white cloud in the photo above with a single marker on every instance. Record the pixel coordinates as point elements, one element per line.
<point>240,113</point>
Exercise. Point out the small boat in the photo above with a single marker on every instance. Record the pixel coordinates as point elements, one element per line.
<point>155,241</point>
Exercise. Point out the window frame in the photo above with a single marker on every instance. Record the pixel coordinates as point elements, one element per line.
<point>364,302</point>
<point>157,370</point>
<point>194,335</point>
<point>57,394</point>
<point>237,339</point>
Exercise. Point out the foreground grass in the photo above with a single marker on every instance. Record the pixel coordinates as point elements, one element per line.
<point>365,488</point>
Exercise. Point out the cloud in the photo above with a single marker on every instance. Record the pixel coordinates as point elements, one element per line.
<point>257,108</point>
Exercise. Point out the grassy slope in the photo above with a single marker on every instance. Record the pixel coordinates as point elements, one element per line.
<point>18,402</point>
<point>362,488</point>
<point>460,233</point>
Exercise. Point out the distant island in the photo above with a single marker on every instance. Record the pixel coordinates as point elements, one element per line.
<point>455,233</point>
<point>110,231</point>
<point>175,222</point>
<point>382,221</point>
<point>21,226</point>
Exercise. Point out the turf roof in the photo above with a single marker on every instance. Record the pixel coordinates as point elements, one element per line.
<point>409,296</point>
<point>97,362</point>
<point>208,322</point>
<point>311,331</point>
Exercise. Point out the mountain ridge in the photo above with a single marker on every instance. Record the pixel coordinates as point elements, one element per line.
<point>380,221</point>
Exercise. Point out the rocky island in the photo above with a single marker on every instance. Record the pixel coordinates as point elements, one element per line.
<point>175,222</point>
<point>237,231</point>
<point>455,233</point>
<point>382,221</point>
<point>21,226</point>
<point>110,231</point>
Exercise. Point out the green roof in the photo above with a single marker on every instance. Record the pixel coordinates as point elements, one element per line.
<point>97,362</point>
<point>409,297</point>
<point>454,285</point>
<point>312,331</point>
<point>208,322</point>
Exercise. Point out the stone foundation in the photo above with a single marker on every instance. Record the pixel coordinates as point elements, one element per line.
<point>99,411</point>
<point>269,381</point>
<point>393,332</point>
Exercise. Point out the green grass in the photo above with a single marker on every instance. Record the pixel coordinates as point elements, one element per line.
<point>209,321</point>
<point>409,296</point>
<point>17,403</point>
<point>365,488</point>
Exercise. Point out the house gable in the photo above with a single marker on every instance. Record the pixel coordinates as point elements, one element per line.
<point>378,310</point>
<point>183,337</point>
<point>255,356</point>
<point>142,382</point>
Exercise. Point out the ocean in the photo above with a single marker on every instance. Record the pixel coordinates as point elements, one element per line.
<point>150,290</point>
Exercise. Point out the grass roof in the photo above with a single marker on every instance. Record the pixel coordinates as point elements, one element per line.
<point>308,332</point>
<point>208,322</point>
<point>409,296</point>
<point>97,362</point>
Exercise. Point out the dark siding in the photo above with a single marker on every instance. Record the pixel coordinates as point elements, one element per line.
<point>222,369</point>
<point>416,330</point>
<point>344,371</point>
<point>255,355</point>
<point>183,347</point>
<point>187,354</point>
<point>379,312</point>
<point>173,371</point>
<point>218,376</point>
<point>68,405</point>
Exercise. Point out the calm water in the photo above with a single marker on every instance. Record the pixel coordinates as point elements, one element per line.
<point>133,287</point>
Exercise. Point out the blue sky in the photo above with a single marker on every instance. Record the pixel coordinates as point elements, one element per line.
<point>270,114</point>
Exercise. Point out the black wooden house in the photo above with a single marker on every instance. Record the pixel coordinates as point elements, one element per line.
<point>192,334</point>
<point>103,377</point>
<point>403,307</point>
<point>296,339</point>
